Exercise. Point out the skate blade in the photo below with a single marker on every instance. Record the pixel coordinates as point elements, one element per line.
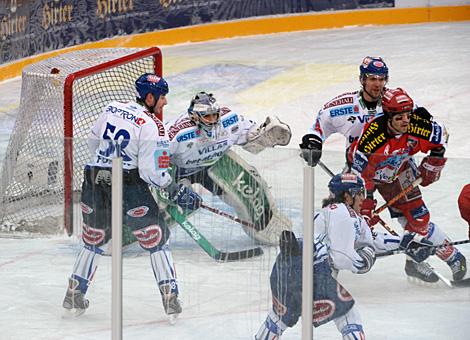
<point>73,313</point>
<point>172,318</point>
<point>418,282</point>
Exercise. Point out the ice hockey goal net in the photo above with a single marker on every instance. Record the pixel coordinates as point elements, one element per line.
<point>61,97</point>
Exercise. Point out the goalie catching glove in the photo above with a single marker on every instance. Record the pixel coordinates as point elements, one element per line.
<point>184,197</point>
<point>417,247</point>
<point>269,134</point>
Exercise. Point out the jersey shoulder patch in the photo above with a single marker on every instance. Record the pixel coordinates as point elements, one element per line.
<point>158,122</point>
<point>342,99</point>
<point>224,110</point>
<point>180,125</point>
<point>420,127</point>
<point>374,135</point>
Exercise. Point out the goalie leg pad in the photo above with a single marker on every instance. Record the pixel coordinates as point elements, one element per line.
<point>245,190</point>
<point>271,133</point>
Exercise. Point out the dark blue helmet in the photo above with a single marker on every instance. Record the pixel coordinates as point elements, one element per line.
<point>151,83</point>
<point>373,66</point>
<point>349,183</point>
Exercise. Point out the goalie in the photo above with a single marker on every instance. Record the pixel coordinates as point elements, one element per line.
<point>200,142</point>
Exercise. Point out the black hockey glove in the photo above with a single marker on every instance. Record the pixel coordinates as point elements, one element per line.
<point>184,197</point>
<point>417,247</point>
<point>311,149</point>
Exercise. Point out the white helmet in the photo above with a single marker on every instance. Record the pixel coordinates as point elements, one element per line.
<point>204,104</point>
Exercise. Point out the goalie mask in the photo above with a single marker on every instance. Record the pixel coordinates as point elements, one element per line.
<point>204,111</point>
<point>350,183</point>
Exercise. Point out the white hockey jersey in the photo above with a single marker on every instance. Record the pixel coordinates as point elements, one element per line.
<point>345,114</point>
<point>142,139</point>
<point>193,148</point>
<point>343,231</point>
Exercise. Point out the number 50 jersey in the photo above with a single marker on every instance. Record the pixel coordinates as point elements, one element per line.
<point>138,134</point>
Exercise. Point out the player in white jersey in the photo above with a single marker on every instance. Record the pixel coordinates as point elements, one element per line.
<point>347,113</point>
<point>343,241</point>
<point>133,129</point>
<point>202,136</point>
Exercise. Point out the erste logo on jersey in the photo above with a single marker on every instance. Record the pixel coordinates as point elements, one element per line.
<point>230,121</point>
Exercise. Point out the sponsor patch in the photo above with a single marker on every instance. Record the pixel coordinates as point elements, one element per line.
<point>149,237</point>
<point>339,101</point>
<point>161,159</point>
<point>92,236</point>
<point>138,212</point>
<point>373,137</point>
<point>420,127</point>
<point>342,111</point>
<point>323,310</point>
<point>174,129</point>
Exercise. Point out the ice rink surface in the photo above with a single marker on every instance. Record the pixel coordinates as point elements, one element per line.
<point>289,75</point>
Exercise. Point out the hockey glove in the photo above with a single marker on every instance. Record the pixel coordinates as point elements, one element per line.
<point>184,197</point>
<point>367,254</point>
<point>423,113</point>
<point>367,211</point>
<point>417,247</point>
<point>430,169</point>
<point>311,149</point>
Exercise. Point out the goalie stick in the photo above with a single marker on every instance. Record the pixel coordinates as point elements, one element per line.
<point>206,245</point>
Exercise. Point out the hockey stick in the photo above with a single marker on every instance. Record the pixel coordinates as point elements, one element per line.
<point>224,214</point>
<point>401,251</point>
<point>414,184</point>
<point>206,245</point>
<point>381,221</point>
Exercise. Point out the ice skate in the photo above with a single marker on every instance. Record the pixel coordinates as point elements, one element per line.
<point>172,307</point>
<point>420,272</point>
<point>458,265</point>
<point>74,303</point>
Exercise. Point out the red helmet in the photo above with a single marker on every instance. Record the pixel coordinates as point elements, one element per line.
<point>395,101</point>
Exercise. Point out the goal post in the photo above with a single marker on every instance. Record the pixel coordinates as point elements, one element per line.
<point>61,97</point>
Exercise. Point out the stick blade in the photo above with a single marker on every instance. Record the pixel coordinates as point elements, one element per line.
<point>239,255</point>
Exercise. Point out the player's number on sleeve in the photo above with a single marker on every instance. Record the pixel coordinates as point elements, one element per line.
<point>122,137</point>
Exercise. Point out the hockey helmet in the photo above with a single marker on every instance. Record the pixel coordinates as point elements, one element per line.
<point>373,66</point>
<point>348,182</point>
<point>202,105</point>
<point>396,101</point>
<point>151,83</point>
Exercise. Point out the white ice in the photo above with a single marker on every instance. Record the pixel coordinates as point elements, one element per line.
<point>290,75</point>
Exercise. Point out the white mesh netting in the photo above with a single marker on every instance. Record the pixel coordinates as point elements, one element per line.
<point>32,178</point>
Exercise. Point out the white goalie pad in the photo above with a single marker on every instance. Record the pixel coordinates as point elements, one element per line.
<point>269,134</point>
<point>249,195</point>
